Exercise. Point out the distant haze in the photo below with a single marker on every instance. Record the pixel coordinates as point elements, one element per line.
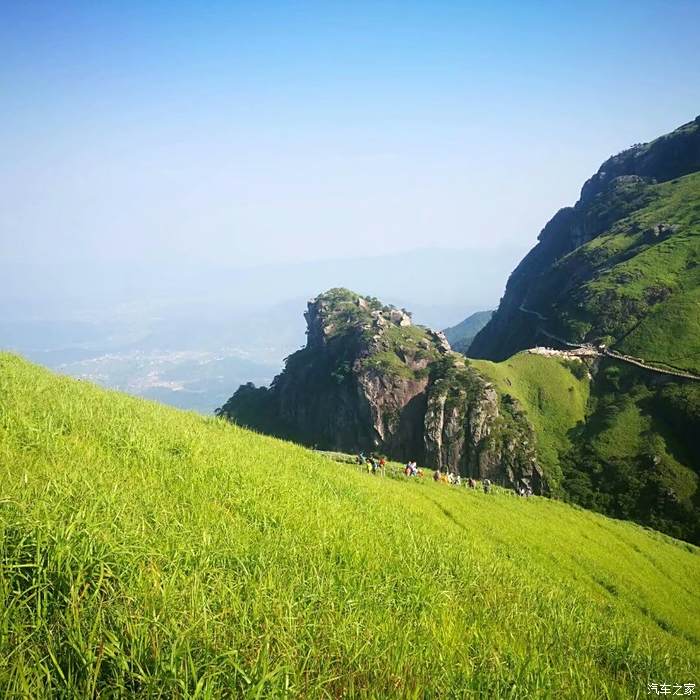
<point>189,335</point>
<point>432,278</point>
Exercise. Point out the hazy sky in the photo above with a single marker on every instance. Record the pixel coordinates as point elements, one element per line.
<point>243,132</point>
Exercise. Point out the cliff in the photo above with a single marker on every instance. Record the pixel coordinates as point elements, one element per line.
<point>369,379</point>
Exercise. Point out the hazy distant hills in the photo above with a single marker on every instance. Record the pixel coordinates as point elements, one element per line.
<point>443,278</point>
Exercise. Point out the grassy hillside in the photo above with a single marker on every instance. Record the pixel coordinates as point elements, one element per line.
<point>644,292</point>
<point>150,551</point>
<point>622,266</point>
<point>637,455</point>
<point>554,394</point>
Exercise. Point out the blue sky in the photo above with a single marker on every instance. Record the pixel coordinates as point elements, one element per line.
<point>243,133</point>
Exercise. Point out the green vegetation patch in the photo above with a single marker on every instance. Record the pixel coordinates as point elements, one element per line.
<point>389,363</point>
<point>641,280</point>
<point>633,457</point>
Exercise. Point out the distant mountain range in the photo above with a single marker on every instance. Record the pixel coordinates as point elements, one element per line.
<point>462,335</point>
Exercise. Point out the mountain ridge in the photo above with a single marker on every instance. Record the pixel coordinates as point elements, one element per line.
<point>625,253</point>
<point>461,335</point>
<point>620,271</point>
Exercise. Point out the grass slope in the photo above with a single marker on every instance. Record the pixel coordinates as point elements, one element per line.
<point>553,398</point>
<point>153,552</point>
<point>644,290</point>
<point>637,455</point>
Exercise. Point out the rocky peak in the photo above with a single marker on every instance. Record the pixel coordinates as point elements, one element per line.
<point>340,311</point>
<point>670,156</point>
<point>369,379</point>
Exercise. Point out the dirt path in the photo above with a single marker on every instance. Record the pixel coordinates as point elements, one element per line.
<point>591,350</point>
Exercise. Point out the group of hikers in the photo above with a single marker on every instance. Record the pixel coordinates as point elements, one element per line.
<point>377,465</point>
<point>411,469</point>
<point>456,480</point>
<point>374,464</point>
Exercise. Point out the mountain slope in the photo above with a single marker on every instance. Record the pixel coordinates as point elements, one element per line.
<point>460,336</point>
<point>150,551</point>
<point>621,267</point>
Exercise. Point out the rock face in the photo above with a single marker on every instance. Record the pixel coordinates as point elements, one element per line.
<point>368,379</point>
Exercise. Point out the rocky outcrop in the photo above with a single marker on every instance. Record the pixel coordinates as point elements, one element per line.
<point>472,430</point>
<point>368,379</point>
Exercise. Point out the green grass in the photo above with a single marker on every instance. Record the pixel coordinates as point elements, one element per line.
<point>146,551</point>
<point>623,437</point>
<point>630,423</point>
<point>623,434</point>
<point>552,397</point>
<point>398,350</point>
<point>643,292</point>
<point>670,334</point>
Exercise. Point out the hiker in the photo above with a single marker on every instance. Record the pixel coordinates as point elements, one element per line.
<point>436,475</point>
<point>487,485</point>
<point>407,469</point>
<point>471,483</point>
